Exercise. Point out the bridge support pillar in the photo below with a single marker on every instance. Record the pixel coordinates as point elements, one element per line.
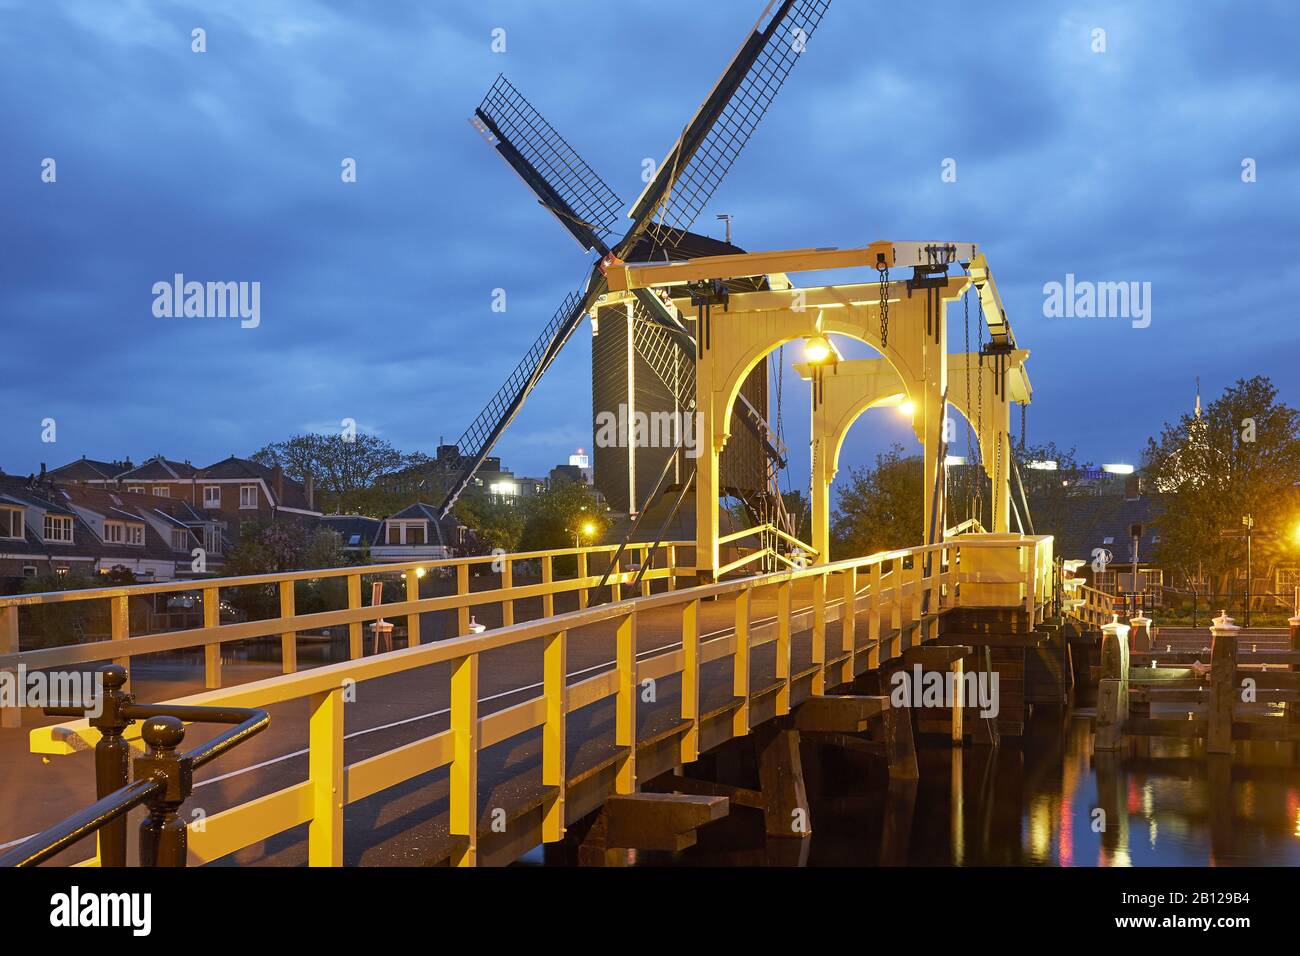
<point>647,821</point>
<point>780,773</point>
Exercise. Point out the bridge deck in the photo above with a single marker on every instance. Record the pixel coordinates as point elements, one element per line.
<point>407,824</point>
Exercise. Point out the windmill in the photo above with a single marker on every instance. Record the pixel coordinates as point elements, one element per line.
<point>661,217</point>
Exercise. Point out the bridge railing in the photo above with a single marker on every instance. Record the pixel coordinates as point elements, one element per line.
<point>122,645</point>
<point>884,592</point>
<point>769,536</point>
<point>1097,609</point>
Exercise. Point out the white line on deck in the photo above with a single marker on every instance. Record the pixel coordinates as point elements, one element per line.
<point>445,710</point>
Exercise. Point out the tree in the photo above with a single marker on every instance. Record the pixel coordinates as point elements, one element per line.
<point>343,469</point>
<point>57,623</point>
<point>495,525</point>
<point>559,514</point>
<point>323,549</point>
<point>1242,456</point>
<point>881,507</point>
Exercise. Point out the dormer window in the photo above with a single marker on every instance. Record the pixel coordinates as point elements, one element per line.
<point>58,528</point>
<point>180,539</point>
<point>407,532</point>
<point>11,522</point>
<point>123,532</point>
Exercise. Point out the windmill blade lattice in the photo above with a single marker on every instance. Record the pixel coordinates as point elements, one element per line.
<point>584,198</point>
<point>482,433</point>
<point>719,131</point>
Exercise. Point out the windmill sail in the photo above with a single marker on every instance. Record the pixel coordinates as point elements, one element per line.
<point>723,124</point>
<point>587,207</point>
<point>478,439</point>
<point>562,180</point>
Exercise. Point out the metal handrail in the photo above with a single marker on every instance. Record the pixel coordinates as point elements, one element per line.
<point>83,823</point>
<point>164,778</point>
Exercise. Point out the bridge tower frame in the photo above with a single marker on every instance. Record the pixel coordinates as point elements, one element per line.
<point>736,334</point>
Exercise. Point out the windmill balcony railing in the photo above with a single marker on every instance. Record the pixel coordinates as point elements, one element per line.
<point>871,597</point>
<point>464,577</point>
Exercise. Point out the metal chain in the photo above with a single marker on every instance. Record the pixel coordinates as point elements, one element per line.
<point>998,480</point>
<point>970,437</point>
<point>979,413</point>
<point>884,306</point>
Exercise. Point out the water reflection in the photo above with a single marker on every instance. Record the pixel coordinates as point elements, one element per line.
<point>1049,801</point>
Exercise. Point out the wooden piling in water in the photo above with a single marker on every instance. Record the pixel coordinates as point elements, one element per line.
<point>1112,688</point>
<point>1223,684</point>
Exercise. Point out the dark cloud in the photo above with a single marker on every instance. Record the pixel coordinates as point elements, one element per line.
<point>375,296</point>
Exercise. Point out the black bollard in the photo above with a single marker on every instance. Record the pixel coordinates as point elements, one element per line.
<point>112,759</point>
<point>163,834</point>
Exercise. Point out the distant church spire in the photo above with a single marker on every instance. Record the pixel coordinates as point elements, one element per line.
<point>1198,396</point>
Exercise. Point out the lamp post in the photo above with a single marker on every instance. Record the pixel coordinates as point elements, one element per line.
<point>1247,532</point>
<point>1249,522</point>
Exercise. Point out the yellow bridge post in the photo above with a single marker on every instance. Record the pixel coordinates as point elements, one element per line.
<point>355,648</point>
<point>288,639</point>
<point>625,703</point>
<point>10,717</point>
<point>463,796</point>
<point>784,600</point>
<point>325,775</point>
<point>413,594</point>
<point>740,665</point>
<point>211,652</point>
<point>690,747</point>
<point>120,614</point>
<point>556,692</point>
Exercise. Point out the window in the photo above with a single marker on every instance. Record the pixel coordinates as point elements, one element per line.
<point>1109,539</point>
<point>122,532</point>
<point>58,528</point>
<point>180,539</point>
<point>11,523</point>
<point>161,491</point>
<point>136,489</point>
<point>354,541</point>
<point>29,570</point>
<point>248,496</point>
<point>406,532</point>
<point>212,496</point>
<point>212,539</point>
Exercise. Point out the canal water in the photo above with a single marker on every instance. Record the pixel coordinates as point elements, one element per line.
<point>1045,801</point>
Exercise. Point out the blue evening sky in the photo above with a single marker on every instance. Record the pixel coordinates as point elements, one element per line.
<point>376,296</point>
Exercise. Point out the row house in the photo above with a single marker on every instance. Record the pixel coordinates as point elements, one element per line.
<point>413,534</point>
<point>49,528</point>
<point>234,489</point>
